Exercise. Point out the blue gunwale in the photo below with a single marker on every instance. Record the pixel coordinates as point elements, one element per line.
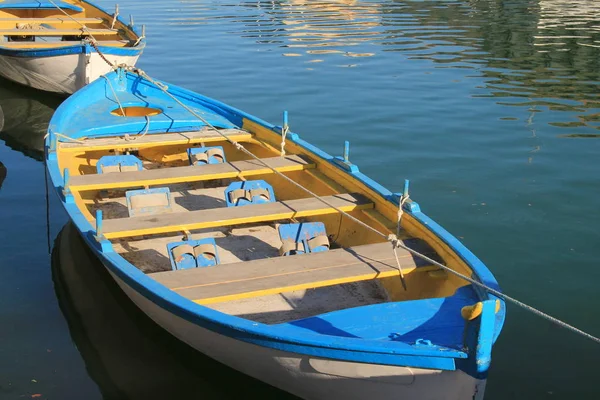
<point>273,336</point>
<point>80,48</point>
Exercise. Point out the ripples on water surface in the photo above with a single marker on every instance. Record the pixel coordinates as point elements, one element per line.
<point>491,108</point>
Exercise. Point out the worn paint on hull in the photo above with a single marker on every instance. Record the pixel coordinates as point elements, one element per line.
<point>60,74</point>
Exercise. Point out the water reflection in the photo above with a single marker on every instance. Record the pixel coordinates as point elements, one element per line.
<point>25,115</point>
<point>126,354</point>
<point>540,55</point>
<point>3,173</point>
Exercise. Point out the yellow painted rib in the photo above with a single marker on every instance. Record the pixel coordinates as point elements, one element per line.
<point>311,285</point>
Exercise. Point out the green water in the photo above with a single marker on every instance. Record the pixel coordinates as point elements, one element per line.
<point>491,108</point>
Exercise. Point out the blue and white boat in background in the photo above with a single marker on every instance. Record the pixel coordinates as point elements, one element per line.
<point>201,214</point>
<point>54,45</point>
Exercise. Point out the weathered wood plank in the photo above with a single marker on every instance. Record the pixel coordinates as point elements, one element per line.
<point>165,176</point>
<point>281,274</point>
<point>227,216</point>
<point>166,139</point>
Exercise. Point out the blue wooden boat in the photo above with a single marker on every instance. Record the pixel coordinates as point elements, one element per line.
<point>201,214</point>
<point>53,45</point>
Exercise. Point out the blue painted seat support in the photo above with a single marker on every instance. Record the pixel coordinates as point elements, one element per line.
<point>193,254</point>
<point>121,163</point>
<point>309,237</point>
<point>148,201</point>
<point>206,155</point>
<point>249,192</point>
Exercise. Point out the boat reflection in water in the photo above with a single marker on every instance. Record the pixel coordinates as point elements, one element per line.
<point>126,354</point>
<point>24,117</point>
<point>3,173</point>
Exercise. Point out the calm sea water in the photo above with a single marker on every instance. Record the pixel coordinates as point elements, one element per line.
<point>491,108</point>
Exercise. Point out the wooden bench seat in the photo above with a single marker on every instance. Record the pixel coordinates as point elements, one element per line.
<point>58,32</point>
<point>227,216</point>
<point>51,21</point>
<point>47,45</point>
<point>283,274</point>
<point>165,176</point>
<point>163,139</point>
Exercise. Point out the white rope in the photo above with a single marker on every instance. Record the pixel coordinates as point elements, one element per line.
<point>115,15</point>
<point>129,138</point>
<point>403,199</point>
<point>65,137</point>
<point>115,94</point>
<point>139,40</point>
<point>402,280</point>
<point>392,238</point>
<point>284,132</point>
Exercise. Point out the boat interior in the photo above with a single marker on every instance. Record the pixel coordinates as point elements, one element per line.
<point>219,228</point>
<point>40,24</point>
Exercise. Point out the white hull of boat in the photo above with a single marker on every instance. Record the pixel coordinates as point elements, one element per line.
<point>61,74</point>
<point>310,377</point>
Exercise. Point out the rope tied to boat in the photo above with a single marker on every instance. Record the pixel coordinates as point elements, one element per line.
<point>397,243</point>
<point>65,137</point>
<point>393,239</point>
<point>92,40</point>
<point>115,94</point>
<point>403,199</point>
<point>146,129</point>
<point>94,44</point>
<point>139,40</point>
<point>284,131</point>
<point>115,16</point>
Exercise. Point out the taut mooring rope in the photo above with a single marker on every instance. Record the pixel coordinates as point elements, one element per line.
<point>396,243</point>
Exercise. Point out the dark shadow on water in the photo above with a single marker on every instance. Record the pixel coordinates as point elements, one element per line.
<point>125,352</point>
<point>580,136</point>
<point>3,173</point>
<point>25,114</point>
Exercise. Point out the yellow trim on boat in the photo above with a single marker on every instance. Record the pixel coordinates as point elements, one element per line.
<point>469,313</point>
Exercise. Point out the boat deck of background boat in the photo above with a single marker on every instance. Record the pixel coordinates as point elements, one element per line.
<point>25,25</point>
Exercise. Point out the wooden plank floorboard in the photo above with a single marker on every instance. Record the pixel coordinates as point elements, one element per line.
<point>187,174</point>
<point>227,216</point>
<point>279,274</point>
